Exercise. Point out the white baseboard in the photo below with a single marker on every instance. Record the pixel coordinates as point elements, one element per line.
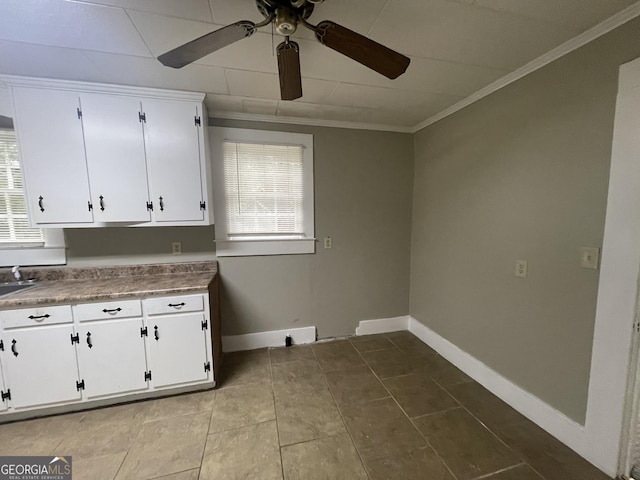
<point>553,421</point>
<point>383,325</point>
<point>275,338</point>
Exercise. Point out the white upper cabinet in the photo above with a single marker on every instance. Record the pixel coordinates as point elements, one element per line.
<point>50,139</point>
<point>173,137</point>
<point>96,154</point>
<point>114,144</point>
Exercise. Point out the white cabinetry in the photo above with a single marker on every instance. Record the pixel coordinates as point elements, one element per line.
<point>4,394</point>
<point>49,129</point>
<point>39,357</point>
<point>97,154</point>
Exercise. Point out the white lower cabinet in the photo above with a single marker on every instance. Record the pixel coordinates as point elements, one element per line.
<point>177,349</point>
<point>59,355</point>
<point>111,357</point>
<point>40,366</point>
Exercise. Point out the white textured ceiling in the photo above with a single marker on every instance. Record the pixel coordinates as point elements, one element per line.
<point>456,47</point>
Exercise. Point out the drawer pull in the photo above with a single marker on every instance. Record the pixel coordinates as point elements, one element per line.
<point>13,348</point>
<point>39,317</point>
<point>101,203</point>
<point>177,305</point>
<point>40,199</point>
<point>89,344</point>
<point>155,333</point>
<point>113,310</point>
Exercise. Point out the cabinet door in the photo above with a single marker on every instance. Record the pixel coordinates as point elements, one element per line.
<point>115,157</point>
<point>41,366</point>
<point>177,349</point>
<point>3,403</point>
<point>111,357</point>
<point>49,131</point>
<point>172,141</point>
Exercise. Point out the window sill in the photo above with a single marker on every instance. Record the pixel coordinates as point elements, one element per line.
<point>30,256</point>
<point>244,248</point>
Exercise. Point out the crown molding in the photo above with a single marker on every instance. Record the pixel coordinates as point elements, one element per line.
<point>602,28</point>
<point>310,122</point>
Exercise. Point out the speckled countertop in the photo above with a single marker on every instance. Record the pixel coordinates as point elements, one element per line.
<point>83,285</point>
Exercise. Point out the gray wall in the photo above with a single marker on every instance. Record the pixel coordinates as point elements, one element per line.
<point>363,201</point>
<point>521,174</point>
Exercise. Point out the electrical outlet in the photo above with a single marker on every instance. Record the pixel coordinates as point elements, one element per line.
<point>176,248</point>
<point>589,257</point>
<point>521,268</point>
<point>328,242</point>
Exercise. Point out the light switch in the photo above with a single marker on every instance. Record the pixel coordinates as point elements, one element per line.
<point>589,257</point>
<point>521,268</point>
<point>328,242</point>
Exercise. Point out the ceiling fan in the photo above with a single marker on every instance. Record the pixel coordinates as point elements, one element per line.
<point>286,15</point>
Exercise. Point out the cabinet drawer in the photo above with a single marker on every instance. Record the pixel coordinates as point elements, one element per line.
<point>105,310</point>
<point>164,305</point>
<point>29,317</point>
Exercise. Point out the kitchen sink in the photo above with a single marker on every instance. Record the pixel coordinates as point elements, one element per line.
<point>6,288</point>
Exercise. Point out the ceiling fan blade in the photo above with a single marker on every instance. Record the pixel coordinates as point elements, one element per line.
<point>202,46</point>
<point>289,69</point>
<point>363,50</point>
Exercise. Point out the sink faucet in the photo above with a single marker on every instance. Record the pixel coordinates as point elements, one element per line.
<point>16,273</point>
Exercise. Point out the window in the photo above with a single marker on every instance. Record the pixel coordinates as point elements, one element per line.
<point>20,244</point>
<point>264,192</point>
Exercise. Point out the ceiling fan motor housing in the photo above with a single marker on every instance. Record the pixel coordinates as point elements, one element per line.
<point>286,21</point>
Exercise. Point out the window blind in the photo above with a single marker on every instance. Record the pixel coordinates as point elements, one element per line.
<point>14,225</point>
<point>263,189</point>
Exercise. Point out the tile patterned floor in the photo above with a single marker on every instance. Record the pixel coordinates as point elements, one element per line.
<point>376,407</point>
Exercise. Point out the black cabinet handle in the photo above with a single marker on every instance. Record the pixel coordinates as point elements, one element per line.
<point>89,344</point>
<point>155,333</point>
<point>101,203</point>
<point>38,317</point>
<point>113,310</point>
<point>13,347</point>
<point>161,204</point>
<point>176,305</point>
<point>40,203</point>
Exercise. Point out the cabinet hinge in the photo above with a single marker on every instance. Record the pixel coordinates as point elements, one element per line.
<point>144,332</point>
<point>142,117</point>
<point>147,375</point>
<point>197,121</point>
<point>150,206</point>
<point>1,345</point>
<point>79,112</point>
<point>75,339</point>
<point>90,205</point>
<point>207,367</point>
<point>6,395</point>
<point>80,385</point>
<point>205,324</point>
<point>203,205</point>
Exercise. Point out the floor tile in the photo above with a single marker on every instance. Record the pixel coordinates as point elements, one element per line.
<point>166,446</point>
<point>188,475</point>
<point>289,354</point>
<point>368,343</point>
<point>465,445</point>
<point>418,395</point>
<point>241,368</point>
<point>337,355</point>
<point>40,436</point>
<point>380,429</point>
<point>307,416</point>
<point>409,343</point>
<point>488,408</point>
<point>355,385</point>
<point>186,404</point>
<point>97,468</point>
<point>547,455</point>
<point>241,406</point>
<point>250,453</point>
<point>391,362</point>
<point>298,376</point>
<point>414,465</point>
<point>332,458</point>
<point>444,372</point>
<point>521,472</point>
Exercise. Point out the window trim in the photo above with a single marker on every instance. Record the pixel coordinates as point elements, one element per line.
<point>295,245</point>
